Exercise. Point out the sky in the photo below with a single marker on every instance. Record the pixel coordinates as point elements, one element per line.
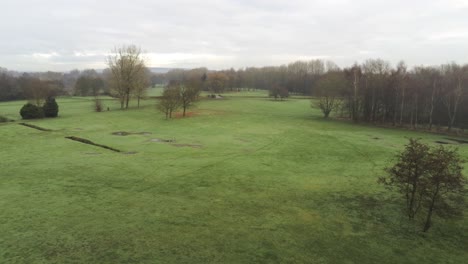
<point>61,35</point>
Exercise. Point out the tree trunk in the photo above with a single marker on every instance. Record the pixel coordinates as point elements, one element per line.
<point>127,100</point>
<point>395,106</point>
<point>411,211</point>
<point>355,100</point>
<point>416,114</point>
<point>402,107</point>
<point>428,223</point>
<point>431,111</point>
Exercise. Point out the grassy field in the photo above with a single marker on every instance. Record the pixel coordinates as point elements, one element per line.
<point>244,180</point>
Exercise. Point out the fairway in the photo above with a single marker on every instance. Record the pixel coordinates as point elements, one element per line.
<point>243,179</point>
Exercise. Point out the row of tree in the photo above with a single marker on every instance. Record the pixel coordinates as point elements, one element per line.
<point>298,78</point>
<point>374,91</point>
<point>28,87</point>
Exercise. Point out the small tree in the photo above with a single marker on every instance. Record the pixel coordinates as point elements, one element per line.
<point>98,107</point>
<point>50,107</point>
<point>329,89</point>
<point>170,101</point>
<point>31,111</point>
<point>430,179</point>
<point>141,86</point>
<point>443,188</point>
<point>216,82</point>
<point>405,176</point>
<point>283,93</point>
<point>279,92</point>
<point>188,95</point>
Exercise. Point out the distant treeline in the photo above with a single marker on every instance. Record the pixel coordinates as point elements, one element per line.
<point>373,91</point>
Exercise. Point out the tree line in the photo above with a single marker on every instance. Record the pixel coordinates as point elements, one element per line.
<point>373,91</point>
<point>377,93</point>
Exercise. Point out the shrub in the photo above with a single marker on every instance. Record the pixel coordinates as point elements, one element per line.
<point>50,107</point>
<point>98,107</point>
<point>30,111</point>
<point>3,119</point>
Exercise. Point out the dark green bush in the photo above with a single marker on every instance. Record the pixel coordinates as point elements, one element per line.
<point>30,111</point>
<point>50,107</point>
<point>3,119</point>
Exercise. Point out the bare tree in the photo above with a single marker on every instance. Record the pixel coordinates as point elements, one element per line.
<point>189,93</point>
<point>329,89</point>
<point>453,91</point>
<point>35,90</point>
<point>127,72</point>
<point>141,85</point>
<point>170,101</point>
<point>278,91</point>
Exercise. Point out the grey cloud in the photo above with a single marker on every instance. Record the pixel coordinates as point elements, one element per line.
<point>228,33</point>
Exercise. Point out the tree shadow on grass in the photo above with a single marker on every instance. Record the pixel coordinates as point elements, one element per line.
<point>373,213</point>
<point>381,213</point>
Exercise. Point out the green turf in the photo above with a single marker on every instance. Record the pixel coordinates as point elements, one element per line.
<point>250,181</point>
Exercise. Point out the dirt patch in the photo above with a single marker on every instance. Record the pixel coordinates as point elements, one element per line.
<point>162,140</point>
<point>130,153</point>
<point>123,133</point>
<point>187,145</point>
<point>35,127</point>
<point>89,142</point>
<point>187,114</point>
<point>459,141</point>
<point>442,142</point>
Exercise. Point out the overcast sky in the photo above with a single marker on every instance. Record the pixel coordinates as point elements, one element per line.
<point>61,35</point>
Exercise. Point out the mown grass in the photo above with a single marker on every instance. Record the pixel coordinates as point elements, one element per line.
<point>269,182</point>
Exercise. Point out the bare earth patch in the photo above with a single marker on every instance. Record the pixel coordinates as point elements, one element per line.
<point>162,140</point>
<point>459,141</point>
<point>442,142</point>
<point>124,133</point>
<point>187,114</point>
<point>35,127</point>
<point>89,142</point>
<point>187,145</point>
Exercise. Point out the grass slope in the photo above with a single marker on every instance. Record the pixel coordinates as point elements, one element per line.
<point>247,180</point>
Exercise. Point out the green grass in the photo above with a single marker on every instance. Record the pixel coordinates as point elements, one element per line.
<point>266,182</point>
<point>156,91</point>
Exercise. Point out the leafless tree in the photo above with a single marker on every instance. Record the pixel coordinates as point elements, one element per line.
<point>127,68</point>
<point>170,101</point>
